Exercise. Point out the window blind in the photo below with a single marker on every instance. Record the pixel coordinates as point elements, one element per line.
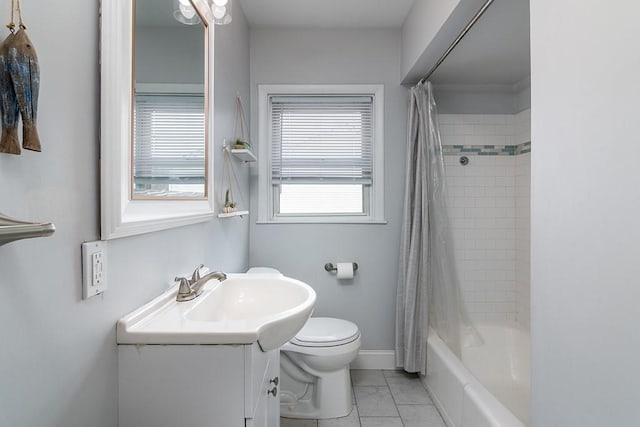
<point>169,139</point>
<point>322,138</point>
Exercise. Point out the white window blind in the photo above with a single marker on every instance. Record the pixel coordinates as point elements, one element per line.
<point>321,139</point>
<point>321,156</point>
<point>169,139</point>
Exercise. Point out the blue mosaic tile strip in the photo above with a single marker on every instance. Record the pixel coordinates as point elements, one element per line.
<point>523,148</point>
<point>486,150</point>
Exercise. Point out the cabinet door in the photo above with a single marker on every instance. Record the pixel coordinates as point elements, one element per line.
<point>267,411</point>
<point>260,416</point>
<point>256,370</point>
<point>273,402</point>
<point>155,389</point>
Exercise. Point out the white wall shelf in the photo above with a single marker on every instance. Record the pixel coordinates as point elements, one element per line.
<point>244,154</point>
<point>232,214</point>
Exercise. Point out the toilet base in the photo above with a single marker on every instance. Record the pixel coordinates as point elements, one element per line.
<point>327,396</point>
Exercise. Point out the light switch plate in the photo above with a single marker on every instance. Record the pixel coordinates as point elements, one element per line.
<point>94,268</point>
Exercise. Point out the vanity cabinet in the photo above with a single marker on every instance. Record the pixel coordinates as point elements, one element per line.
<point>198,386</point>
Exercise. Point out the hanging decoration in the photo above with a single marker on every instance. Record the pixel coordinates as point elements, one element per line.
<point>228,182</point>
<point>19,87</point>
<point>240,127</point>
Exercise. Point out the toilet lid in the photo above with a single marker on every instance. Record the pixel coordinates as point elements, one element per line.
<point>326,332</point>
<point>262,270</point>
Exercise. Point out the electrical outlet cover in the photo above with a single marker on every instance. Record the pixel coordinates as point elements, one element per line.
<point>94,268</point>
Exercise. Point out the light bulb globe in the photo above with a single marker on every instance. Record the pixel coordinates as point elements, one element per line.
<point>219,12</point>
<point>187,11</point>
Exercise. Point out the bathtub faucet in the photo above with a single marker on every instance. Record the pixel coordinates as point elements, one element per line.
<point>191,288</point>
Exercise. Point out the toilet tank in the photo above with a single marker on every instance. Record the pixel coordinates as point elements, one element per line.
<point>262,270</point>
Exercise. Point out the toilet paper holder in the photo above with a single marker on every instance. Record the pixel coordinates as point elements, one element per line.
<point>333,267</point>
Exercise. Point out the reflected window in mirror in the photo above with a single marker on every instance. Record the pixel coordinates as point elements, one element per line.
<point>169,132</point>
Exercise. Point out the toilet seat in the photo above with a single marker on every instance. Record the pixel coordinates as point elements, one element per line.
<point>326,332</point>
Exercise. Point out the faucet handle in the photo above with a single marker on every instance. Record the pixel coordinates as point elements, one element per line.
<point>196,274</point>
<point>185,288</point>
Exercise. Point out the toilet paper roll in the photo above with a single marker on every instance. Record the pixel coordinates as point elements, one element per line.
<point>345,270</point>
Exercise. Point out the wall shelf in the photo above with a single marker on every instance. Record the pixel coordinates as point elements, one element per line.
<point>232,214</point>
<point>12,229</point>
<point>244,154</point>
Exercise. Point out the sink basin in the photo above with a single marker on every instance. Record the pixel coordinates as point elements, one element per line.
<point>246,308</point>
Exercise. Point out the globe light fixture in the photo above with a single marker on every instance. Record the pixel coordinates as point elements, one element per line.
<point>221,10</point>
<point>184,12</point>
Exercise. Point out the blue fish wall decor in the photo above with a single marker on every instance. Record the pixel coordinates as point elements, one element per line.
<point>19,89</point>
<point>25,75</point>
<point>8,103</point>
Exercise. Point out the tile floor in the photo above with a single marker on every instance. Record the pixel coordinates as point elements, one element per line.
<point>383,399</point>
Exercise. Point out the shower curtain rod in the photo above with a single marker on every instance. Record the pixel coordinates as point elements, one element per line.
<point>457,40</point>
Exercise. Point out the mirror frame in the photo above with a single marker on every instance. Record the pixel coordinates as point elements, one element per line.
<point>120,215</point>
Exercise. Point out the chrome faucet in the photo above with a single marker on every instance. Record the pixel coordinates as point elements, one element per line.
<point>191,288</point>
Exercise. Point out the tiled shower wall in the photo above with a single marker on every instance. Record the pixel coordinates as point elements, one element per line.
<point>489,211</point>
<point>523,231</point>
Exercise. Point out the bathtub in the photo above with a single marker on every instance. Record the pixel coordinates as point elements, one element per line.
<point>490,387</point>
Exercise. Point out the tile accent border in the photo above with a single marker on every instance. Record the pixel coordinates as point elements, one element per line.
<point>487,150</point>
<point>523,148</point>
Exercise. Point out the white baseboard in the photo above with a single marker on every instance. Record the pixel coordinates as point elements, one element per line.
<point>374,359</point>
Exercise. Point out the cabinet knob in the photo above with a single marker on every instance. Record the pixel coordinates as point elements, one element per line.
<point>273,391</point>
<point>275,381</point>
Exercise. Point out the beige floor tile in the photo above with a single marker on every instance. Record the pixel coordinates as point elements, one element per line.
<point>375,401</point>
<point>294,422</point>
<point>367,377</point>
<point>408,390</point>
<point>420,416</point>
<point>393,373</point>
<point>351,420</point>
<point>381,422</point>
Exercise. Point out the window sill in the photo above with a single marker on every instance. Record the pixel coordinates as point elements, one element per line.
<point>316,220</point>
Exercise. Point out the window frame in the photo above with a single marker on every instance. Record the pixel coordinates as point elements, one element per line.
<point>168,90</point>
<point>266,195</point>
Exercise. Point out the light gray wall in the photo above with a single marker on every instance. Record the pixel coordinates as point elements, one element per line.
<point>469,99</point>
<point>483,99</point>
<point>522,99</point>
<point>300,251</point>
<point>58,364</point>
<point>428,31</point>
<point>584,214</point>
<point>423,22</point>
<point>170,54</point>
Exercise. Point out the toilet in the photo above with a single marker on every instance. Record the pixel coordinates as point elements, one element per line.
<point>314,367</point>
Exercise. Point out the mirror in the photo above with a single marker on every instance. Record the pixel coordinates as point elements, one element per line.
<point>156,126</point>
<point>168,149</point>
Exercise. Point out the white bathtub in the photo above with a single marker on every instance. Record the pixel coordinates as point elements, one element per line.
<point>490,387</point>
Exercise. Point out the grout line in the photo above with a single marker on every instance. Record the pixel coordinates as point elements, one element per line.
<point>354,397</point>
<point>386,380</point>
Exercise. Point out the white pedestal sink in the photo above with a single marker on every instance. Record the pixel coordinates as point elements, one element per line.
<point>246,308</point>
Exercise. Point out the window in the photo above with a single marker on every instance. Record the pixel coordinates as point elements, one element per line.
<point>169,145</point>
<point>321,160</point>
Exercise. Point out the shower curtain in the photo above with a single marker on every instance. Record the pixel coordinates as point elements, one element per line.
<point>428,291</point>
